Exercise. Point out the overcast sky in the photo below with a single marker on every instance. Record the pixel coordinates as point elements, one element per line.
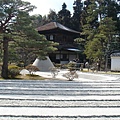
<point>44,6</point>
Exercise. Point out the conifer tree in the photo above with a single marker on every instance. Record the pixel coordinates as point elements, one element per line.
<point>76,18</point>
<point>64,16</point>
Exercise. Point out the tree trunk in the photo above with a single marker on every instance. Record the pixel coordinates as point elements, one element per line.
<point>4,73</point>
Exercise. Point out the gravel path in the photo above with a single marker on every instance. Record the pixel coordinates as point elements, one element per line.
<point>60,100</point>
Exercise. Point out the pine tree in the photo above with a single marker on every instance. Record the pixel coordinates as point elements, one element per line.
<point>9,11</point>
<point>77,7</point>
<point>16,29</point>
<point>64,16</point>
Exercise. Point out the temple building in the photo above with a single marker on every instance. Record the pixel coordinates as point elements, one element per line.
<point>67,48</point>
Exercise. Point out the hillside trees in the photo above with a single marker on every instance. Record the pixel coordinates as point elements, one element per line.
<point>65,17</point>
<point>37,20</point>
<point>16,30</point>
<point>50,17</point>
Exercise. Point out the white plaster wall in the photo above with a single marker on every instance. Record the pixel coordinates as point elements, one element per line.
<point>115,63</point>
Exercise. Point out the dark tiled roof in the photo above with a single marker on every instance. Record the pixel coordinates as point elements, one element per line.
<point>115,55</point>
<point>55,25</point>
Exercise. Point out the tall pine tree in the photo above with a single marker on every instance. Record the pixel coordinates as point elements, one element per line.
<point>76,18</point>
<point>64,16</point>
